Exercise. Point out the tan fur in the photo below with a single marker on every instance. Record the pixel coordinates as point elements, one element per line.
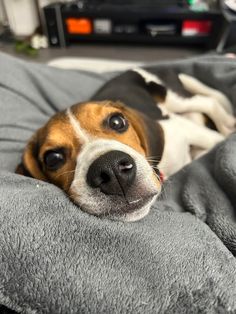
<point>56,133</point>
<point>159,99</point>
<point>92,116</point>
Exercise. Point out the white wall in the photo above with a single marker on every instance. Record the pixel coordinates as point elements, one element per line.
<point>22,16</point>
<point>42,3</point>
<point>1,13</point>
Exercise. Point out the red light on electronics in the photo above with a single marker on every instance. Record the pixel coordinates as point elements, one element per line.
<point>194,28</point>
<point>81,26</point>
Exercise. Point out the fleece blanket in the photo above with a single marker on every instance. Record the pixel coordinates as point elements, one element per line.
<point>56,259</point>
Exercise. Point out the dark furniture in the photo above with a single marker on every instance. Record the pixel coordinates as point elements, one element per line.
<point>155,22</point>
<point>229,19</point>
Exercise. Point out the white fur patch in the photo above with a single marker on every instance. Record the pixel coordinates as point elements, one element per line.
<point>80,133</point>
<point>195,86</point>
<point>147,76</point>
<point>180,133</point>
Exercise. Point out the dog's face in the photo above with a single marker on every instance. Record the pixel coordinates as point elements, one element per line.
<point>97,153</point>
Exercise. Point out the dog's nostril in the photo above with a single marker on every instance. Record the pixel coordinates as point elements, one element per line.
<point>98,179</point>
<point>105,177</point>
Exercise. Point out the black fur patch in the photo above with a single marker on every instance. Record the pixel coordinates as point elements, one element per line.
<point>170,78</point>
<point>157,90</point>
<point>131,89</point>
<point>5,310</point>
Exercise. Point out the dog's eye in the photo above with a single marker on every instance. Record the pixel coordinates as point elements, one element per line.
<point>118,123</point>
<point>54,159</point>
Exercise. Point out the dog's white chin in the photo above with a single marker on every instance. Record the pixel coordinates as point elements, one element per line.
<point>133,216</point>
<point>140,213</point>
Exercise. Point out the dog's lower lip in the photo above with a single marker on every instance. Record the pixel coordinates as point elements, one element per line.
<point>135,205</point>
<point>130,207</point>
<point>134,201</point>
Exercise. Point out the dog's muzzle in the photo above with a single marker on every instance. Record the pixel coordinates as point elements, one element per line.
<point>113,173</point>
<point>112,179</point>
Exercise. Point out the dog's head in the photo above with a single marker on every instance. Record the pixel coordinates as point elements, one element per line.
<point>97,152</point>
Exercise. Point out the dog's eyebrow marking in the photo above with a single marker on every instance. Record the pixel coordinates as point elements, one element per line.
<point>80,133</point>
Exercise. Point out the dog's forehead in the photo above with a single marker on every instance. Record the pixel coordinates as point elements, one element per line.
<point>95,110</point>
<point>59,129</point>
<point>90,116</point>
<point>72,124</point>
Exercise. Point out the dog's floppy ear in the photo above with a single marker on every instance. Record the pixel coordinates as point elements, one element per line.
<point>149,132</point>
<point>30,165</point>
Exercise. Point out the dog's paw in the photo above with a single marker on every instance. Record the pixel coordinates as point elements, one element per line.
<point>228,126</point>
<point>225,122</point>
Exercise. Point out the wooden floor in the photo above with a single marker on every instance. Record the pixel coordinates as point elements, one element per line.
<point>115,51</point>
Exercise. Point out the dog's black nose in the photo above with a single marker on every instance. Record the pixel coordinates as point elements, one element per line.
<point>113,172</point>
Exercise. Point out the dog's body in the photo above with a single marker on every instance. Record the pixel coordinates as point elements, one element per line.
<point>161,98</point>
<point>107,154</point>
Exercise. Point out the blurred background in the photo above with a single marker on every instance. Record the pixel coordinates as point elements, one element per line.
<point>132,30</point>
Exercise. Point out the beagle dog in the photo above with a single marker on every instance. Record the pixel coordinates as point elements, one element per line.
<point>110,154</point>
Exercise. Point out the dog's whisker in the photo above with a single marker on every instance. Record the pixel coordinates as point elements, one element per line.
<point>153,160</point>
<point>156,162</point>
<point>158,177</point>
<point>160,169</point>
<point>66,172</point>
<point>156,158</point>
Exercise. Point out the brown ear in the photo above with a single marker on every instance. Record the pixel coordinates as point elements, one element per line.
<point>20,169</point>
<point>30,165</point>
<point>149,131</point>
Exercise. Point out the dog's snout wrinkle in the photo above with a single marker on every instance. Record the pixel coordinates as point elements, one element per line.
<point>113,172</point>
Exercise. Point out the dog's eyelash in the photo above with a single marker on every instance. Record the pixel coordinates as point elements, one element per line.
<point>162,167</point>
<point>154,159</point>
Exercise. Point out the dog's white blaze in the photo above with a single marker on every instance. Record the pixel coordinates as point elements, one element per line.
<point>80,133</point>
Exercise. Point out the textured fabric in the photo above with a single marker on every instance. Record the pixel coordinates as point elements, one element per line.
<point>56,259</point>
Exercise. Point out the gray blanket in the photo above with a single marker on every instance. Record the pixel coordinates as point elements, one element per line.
<point>55,259</point>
